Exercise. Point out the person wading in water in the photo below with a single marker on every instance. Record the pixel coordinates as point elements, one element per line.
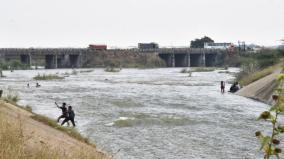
<point>64,111</point>
<point>222,87</point>
<point>71,116</point>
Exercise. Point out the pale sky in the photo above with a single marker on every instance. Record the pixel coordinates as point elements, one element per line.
<point>122,23</point>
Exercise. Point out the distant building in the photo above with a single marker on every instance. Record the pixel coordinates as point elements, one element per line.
<point>148,45</point>
<point>212,45</point>
<point>253,48</point>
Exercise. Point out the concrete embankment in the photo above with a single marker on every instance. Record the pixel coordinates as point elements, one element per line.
<point>261,89</point>
<point>38,135</point>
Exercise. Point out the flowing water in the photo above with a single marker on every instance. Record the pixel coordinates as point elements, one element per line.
<point>150,113</point>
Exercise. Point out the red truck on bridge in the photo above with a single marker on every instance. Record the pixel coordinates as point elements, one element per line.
<point>98,47</point>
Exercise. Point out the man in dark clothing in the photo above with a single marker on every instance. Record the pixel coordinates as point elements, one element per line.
<point>64,111</point>
<point>71,116</point>
<point>222,87</point>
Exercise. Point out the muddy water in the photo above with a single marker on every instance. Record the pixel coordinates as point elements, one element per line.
<point>152,113</point>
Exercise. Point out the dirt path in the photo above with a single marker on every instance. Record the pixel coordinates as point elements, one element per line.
<point>261,89</point>
<point>39,134</point>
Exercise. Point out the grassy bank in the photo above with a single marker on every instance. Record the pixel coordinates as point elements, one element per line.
<point>257,65</point>
<point>13,142</point>
<point>52,123</point>
<point>13,98</point>
<point>246,77</point>
<point>18,141</point>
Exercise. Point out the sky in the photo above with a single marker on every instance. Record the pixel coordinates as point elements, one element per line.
<point>124,23</point>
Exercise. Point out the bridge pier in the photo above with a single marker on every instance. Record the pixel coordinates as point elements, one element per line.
<point>167,58</point>
<point>181,60</point>
<point>173,61</point>
<point>195,60</point>
<point>75,61</point>
<point>211,60</point>
<point>188,59</point>
<point>203,60</point>
<point>51,61</point>
<point>25,59</point>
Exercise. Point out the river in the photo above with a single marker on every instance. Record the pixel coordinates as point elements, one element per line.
<point>150,113</point>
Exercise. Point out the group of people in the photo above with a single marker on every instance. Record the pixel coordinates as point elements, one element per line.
<point>37,85</point>
<point>67,113</point>
<point>234,87</point>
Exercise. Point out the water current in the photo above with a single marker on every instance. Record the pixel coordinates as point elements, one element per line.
<point>149,113</point>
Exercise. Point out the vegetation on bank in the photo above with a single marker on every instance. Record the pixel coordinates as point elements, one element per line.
<point>252,76</point>
<point>203,69</point>
<point>185,70</point>
<point>12,98</point>
<point>47,77</point>
<point>270,143</point>
<point>13,142</point>
<point>197,69</point>
<point>52,123</point>
<point>258,65</point>
<point>112,69</point>
<point>13,65</point>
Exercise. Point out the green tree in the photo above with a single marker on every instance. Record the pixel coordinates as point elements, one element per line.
<point>199,43</point>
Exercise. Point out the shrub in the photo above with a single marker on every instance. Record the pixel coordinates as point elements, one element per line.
<point>270,143</point>
<point>202,69</point>
<point>48,77</point>
<point>13,65</point>
<point>111,69</point>
<point>185,70</point>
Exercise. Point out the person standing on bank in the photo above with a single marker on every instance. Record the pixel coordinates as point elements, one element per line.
<point>222,87</point>
<point>71,116</point>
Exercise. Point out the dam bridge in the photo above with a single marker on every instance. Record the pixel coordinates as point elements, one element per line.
<point>53,58</point>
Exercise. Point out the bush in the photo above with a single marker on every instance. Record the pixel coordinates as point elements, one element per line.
<point>48,77</point>
<point>202,69</point>
<point>270,143</point>
<point>13,65</point>
<point>185,70</point>
<point>111,69</point>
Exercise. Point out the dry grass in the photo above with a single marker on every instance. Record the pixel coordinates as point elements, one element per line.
<point>246,80</point>
<point>16,142</point>
<point>52,123</point>
<point>13,143</point>
<point>10,97</point>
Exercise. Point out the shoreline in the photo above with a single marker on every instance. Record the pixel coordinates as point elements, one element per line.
<point>262,89</point>
<point>40,135</point>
